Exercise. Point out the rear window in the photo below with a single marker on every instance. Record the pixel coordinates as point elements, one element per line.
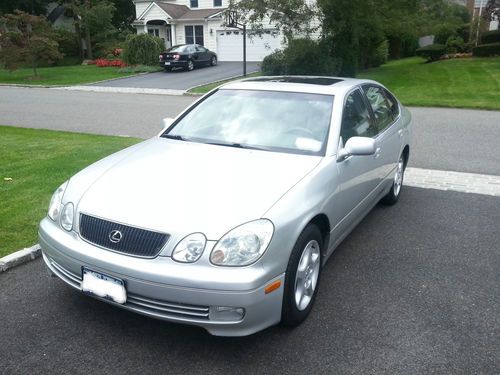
<point>178,49</point>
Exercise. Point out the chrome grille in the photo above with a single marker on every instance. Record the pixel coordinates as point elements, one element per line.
<point>133,241</point>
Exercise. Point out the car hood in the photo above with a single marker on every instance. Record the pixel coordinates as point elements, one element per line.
<point>182,187</point>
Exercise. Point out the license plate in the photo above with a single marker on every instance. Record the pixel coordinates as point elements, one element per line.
<point>104,286</point>
<point>167,63</point>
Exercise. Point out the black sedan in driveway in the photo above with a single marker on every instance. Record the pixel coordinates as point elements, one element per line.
<point>187,56</point>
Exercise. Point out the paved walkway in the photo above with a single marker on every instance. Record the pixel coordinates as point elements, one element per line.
<point>453,181</point>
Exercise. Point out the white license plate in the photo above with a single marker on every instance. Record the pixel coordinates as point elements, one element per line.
<point>104,286</point>
<point>167,63</point>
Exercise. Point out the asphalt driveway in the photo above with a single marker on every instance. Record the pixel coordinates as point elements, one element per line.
<point>413,290</point>
<point>182,80</point>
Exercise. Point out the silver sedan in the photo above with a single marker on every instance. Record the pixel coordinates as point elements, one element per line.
<point>225,219</point>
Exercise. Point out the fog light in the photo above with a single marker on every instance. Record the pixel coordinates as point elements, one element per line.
<point>226,314</point>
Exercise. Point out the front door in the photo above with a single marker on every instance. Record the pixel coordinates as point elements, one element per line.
<point>358,175</point>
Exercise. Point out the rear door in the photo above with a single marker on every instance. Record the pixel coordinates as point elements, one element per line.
<point>386,115</point>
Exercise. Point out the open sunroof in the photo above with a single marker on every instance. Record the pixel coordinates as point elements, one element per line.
<point>322,81</point>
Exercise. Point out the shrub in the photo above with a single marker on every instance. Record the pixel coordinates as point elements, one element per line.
<point>443,33</point>
<point>486,50</point>
<point>490,37</point>
<point>455,44</point>
<point>104,63</point>
<point>301,57</point>
<point>68,42</point>
<point>274,64</point>
<point>432,52</point>
<point>142,49</point>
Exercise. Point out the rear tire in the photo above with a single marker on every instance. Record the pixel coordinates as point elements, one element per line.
<point>397,184</point>
<point>302,277</point>
<point>190,66</point>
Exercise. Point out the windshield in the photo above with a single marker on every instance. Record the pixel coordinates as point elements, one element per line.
<point>267,120</point>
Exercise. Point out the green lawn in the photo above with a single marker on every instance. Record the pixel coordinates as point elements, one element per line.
<point>61,75</point>
<point>206,88</point>
<point>38,161</point>
<point>462,83</point>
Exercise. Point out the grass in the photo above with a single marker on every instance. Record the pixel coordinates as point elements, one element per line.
<point>61,75</point>
<point>460,83</point>
<point>38,161</point>
<point>206,88</point>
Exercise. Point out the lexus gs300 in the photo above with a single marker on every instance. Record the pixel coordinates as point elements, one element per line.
<point>225,219</point>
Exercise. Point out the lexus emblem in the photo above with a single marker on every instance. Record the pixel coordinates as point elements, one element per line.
<point>115,236</point>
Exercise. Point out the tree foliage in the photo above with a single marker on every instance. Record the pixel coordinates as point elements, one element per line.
<point>26,39</point>
<point>93,19</point>
<point>34,7</point>
<point>292,17</point>
<point>142,49</point>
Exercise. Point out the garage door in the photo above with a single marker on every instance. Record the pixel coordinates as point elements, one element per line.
<point>230,45</point>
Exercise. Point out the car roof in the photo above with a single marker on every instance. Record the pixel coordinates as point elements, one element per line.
<point>306,84</point>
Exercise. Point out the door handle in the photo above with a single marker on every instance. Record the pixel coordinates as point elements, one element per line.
<point>377,153</point>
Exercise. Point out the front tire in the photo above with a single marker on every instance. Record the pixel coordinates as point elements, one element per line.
<point>302,277</point>
<point>397,184</point>
<point>213,61</point>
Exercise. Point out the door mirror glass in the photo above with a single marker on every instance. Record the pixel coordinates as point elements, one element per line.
<point>166,122</point>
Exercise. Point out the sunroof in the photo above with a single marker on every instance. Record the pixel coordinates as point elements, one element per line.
<point>323,81</point>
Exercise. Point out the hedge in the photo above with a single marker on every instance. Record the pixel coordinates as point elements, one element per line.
<point>486,50</point>
<point>432,52</point>
<point>490,37</point>
<point>143,49</point>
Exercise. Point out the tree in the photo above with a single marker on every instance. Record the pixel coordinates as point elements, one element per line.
<point>93,19</point>
<point>25,38</point>
<point>35,7</point>
<point>291,17</point>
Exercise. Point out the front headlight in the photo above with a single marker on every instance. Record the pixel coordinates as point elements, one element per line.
<point>243,245</point>
<point>190,248</point>
<point>67,215</point>
<point>55,202</point>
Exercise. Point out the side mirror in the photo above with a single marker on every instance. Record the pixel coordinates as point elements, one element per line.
<point>357,146</point>
<point>166,122</point>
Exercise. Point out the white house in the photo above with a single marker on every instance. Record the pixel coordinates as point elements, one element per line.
<point>200,22</point>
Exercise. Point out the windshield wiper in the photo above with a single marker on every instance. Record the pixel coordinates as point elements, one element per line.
<point>176,137</point>
<point>235,145</point>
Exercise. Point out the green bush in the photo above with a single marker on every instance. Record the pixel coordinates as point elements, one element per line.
<point>490,37</point>
<point>432,52</point>
<point>486,50</point>
<point>142,49</point>
<point>68,42</point>
<point>301,57</point>
<point>455,44</point>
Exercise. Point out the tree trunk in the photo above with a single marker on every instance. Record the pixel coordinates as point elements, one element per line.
<point>88,44</point>
<point>78,32</point>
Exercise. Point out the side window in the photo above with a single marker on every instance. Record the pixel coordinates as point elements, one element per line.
<point>381,107</point>
<point>356,121</point>
<point>393,103</point>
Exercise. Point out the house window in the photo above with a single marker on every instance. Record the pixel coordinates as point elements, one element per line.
<point>155,32</point>
<point>194,3</point>
<point>217,3</point>
<point>194,34</point>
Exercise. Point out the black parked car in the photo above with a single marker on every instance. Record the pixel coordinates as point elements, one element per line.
<point>187,56</point>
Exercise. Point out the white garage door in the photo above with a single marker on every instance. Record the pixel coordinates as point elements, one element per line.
<point>230,45</point>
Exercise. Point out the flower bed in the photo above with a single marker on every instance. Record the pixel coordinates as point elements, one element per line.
<point>102,63</point>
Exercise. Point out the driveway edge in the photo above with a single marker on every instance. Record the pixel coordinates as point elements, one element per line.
<point>20,257</point>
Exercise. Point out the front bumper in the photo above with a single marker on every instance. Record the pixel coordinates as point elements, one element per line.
<point>181,293</point>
